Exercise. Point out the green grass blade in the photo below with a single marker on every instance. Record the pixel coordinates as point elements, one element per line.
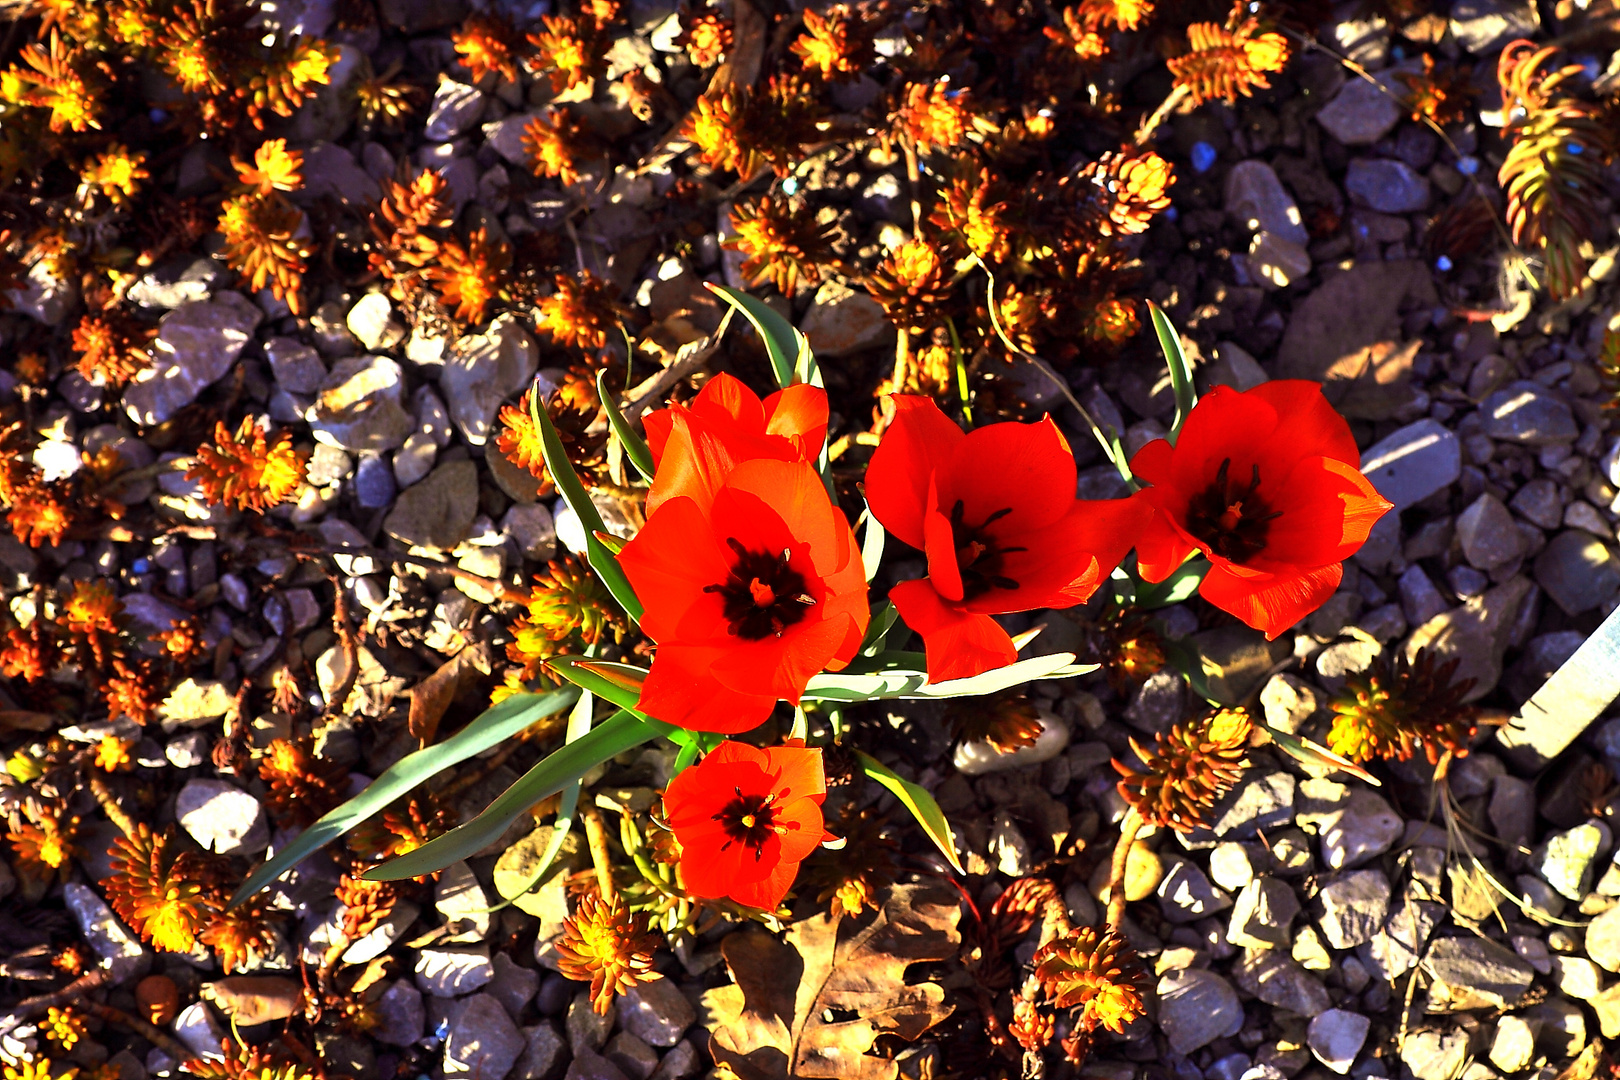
<point>871,681</point>
<point>1175,588</point>
<point>872,545</point>
<point>1181,380</point>
<point>495,725</point>
<point>782,342</point>
<point>919,802</point>
<point>602,560</point>
<point>635,447</point>
<point>616,683</point>
<point>561,767</point>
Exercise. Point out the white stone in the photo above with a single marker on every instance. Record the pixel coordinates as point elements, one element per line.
<point>120,951</point>
<point>1277,262</point>
<point>361,405</point>
<point>372,321</point>
<point>222,817</point>
<point>197,1028</point>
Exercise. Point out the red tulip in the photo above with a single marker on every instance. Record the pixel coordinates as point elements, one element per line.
<point>1267,484</point>
<point>994,511</point>
<point>747,596</point>
<point>745,819</point>
<point>695,447</point>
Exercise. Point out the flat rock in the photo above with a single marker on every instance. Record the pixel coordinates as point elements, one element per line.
<point>1196,1007</point>
<point>1578,571</point>
<point>438,511</point>
<point>483,1043</point>
<point>222,817</point>
<point>1336,1037</point>
<point>1359,114</point>
<point>1474,973</point>
<point>197,344</point>
<point>530,525</point>
<point>197,1028</point>
<point>1257,200</point>
<point>361,405</point>
<point>119,950</point>
<point>1281,982</point>
<point>1390,187</point>
<point>483,370</point>
<point>842,320</point>
<point>453,971</point>
<point>1276,261</point>
<point>1262,914</point>
<point>1353,907</point>
<point>1259,801</point>
<point>1333,331</point>
<point>1527,413</point>
<point>513,986</point>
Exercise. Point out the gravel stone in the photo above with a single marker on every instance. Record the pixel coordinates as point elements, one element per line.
<point>1527,413</point>
<point>1565,860</point>
<point>361,405</point>
<point>120,951</point>
<point>1336,1037</point>
<point>1186,894</point>
<point>1474,973</point>
<point>222,817</point>
<point>1353,907</point>
<point>1262,913</point>
<point>196,345</point>
<point>452,971</point>
<point>483,1043</point>
<point>1390,187</point>
<point>1281,981</point>
<point>1487,534</point>
<point>1578,571</point>
<point>1414,462</point>
<point>1196,1007</point>
<point>1359,114</point>
<point>1257,200</point>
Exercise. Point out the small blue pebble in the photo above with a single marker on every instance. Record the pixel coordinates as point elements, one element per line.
<point>1170,213</point>
<point>1468,166</point>
<point>140,566</point>
<point>1576,148</point>
<point>790,186</point>
<point>1443,262</point>
<point>1203,156</point>
<point>158,116</point>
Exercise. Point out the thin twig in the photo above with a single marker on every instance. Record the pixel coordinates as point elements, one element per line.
<point>115,813</point>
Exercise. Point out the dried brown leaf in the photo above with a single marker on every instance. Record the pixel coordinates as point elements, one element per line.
<point>771,1024</point>
<point>433,695</point>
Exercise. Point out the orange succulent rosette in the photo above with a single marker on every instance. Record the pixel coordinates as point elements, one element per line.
<point>746,818</point>
<point>1267,484</point>
<point>994,510</point>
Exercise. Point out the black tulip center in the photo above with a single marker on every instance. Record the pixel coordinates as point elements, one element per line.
<point>748,820</point>
<point>763,595</point>
<point>1231,518</point>
<point>979,556</point>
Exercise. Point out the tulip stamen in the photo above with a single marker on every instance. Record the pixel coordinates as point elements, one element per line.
<point>978,554</point>
<point>762,595</point>
<point>1230,519</point>
<point>749,820</point>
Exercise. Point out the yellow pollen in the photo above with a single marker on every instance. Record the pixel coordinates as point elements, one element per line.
<point>748,821</point>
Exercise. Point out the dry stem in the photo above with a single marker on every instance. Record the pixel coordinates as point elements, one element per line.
<point>1128,828</point>
<point>596,838</point>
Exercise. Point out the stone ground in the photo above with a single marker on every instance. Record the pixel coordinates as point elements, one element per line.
<point>1320,926</point>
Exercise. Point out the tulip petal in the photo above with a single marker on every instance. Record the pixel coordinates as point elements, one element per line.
<point>1330,510</point>
<point>1067,561</point>
<point>919,441</point>
<point>1306,424</point>
<point>799,414</point>
<point>1162,546</point>
<point>939,544</point>
<point>728,400</point>
<point>780,666</point>
<point>1225,424</point>
<point>681,689</point>
<point>959,644</point>
<point>1270,603</point>
<point>796,772</point>
<point>1027,469</point>
<point>1152,464</point>
<point>669,563</point>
